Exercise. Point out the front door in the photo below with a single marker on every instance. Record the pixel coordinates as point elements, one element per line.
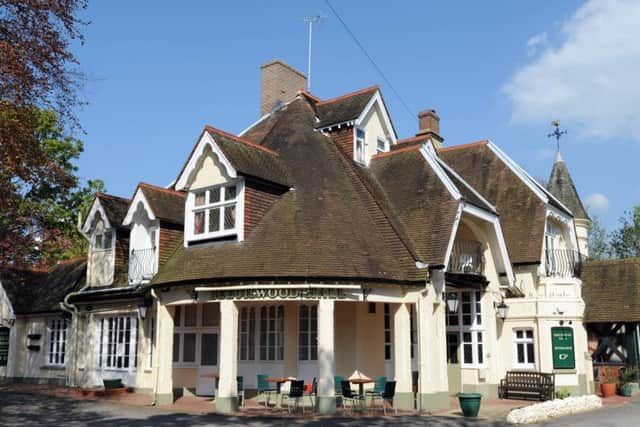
<point>206,385</point>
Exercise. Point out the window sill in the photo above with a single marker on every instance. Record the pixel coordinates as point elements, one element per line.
<point>565,371</point>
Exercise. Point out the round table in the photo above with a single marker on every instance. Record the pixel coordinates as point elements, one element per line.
<point>361,382</point>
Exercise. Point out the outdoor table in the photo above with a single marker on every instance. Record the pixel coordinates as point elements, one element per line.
<point>279,381</point>
<point>361,382</point>
<point>216,378</point>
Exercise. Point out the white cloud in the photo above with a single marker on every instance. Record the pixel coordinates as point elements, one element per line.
<point>590,80</point>
<point>597,202</point>
<point>536,41</point>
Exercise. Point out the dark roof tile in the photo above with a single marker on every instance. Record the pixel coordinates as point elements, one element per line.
<point>611,290</point>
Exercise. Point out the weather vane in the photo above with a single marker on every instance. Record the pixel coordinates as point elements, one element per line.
<point>557,133</point>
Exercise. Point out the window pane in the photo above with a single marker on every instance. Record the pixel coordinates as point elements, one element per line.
<point>98,241</point>
<point>520,352</point>
<point>229,217</point>
<point>198,223</point>
<point>468,353</point>
<point>452,347</point>
<point>190,314</point>
<point>189,353</point>
<point>106,242</point>
<point>230,192</point>
<point>214,219</point>
<point>200,198</point>
<point>519,334</point>
<point>176,348</point>
<point>209,349</point>
<point>177,315</point>
<point>210,315</point>
<point>214,195</point>
<point>530,356</point>
<point>530,334</point>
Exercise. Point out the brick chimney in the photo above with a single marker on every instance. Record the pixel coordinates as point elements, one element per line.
<point>429,123</point>
<point>279,83</point>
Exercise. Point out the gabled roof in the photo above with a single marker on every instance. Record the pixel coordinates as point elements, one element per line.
<point>329,227</point>
<point>343,108</point>
<point>114,207</point>
<point>561,186</point>
<point>522,211</point>
<point>611,290</point>
<point>37,291</point>
<point>246,157</point>
<point>165,204</point>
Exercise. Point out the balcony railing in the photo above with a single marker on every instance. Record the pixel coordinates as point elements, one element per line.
<point>142,265</point>
<point>466,258</point>
<point>563,263</point>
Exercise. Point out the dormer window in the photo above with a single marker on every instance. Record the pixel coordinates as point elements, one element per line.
<point>360,149</point>
<point>214,211</point>
<point>381,145</point>
<point>103,240</point>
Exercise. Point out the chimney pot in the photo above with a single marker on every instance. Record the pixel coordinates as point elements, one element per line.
<point>279,83</point>
<point>429,124</point>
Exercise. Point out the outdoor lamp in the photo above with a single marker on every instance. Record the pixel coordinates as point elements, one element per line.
<point>502,309</point>
<point>452,302</point>
<point>142,310</point>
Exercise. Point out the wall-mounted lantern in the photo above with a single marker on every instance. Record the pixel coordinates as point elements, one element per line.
<point>502,310</point>
<point>452,302</point>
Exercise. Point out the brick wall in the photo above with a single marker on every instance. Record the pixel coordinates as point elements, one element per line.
<point>279,83</point>
<point>343,138</point>
<point>171,235</point>
<point>122,249</point>
<point>258,199</point>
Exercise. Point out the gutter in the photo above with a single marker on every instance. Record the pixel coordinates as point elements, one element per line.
<point>73,310</point>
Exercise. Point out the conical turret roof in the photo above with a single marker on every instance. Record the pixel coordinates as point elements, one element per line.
<point>561,185</point>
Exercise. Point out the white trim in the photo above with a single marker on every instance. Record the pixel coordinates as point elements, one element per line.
<point>274,286</point>
<point>377,98</point>
<point>452,237</point>
<point>363,159</point>
<point>206,140</point>
<point>526,341</point>
<point>139,197</point>
<point>4,299</point>
<point>466,184</point>
<point>430,156</point>
<point>338,125</point>
<point>95,208</point>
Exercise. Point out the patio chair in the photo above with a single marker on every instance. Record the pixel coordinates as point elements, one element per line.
<point>386,397</point>
<point>264,389</point>
<point>295,395</point>
<point>337,384</point>
<point>348,396</point>
<point>313,392</point>
<point>240,382</point>
<point>378,387</point>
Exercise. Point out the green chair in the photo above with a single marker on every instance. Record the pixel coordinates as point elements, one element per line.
<point>378,386</point>
<point>337,384</point>
<point>240,382</point>
<point>264,389</point>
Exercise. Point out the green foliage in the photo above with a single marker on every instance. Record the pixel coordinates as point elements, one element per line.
<point>625,241</point>
<point>598,244</point>
<point>563,393</point>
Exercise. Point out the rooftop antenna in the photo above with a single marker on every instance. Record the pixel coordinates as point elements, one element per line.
<point>311,20</point>
<point>557,133</point>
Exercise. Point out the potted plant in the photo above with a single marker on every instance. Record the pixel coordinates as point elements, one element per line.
<point>627,376</point>
<point>469,403</point>
<point>608,382</point>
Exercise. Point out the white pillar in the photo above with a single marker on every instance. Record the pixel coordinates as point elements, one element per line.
<point>227,396</point>
<point>326,358</point>
<point>432,363</point>
<point>164,355</point>
<point>402,357</point>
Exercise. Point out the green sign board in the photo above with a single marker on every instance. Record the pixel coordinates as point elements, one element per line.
<point>563,350</point>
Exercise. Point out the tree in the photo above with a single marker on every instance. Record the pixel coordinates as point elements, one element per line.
<point>625,241</point>
<point>598,243</point>
<point>40,222</point>
<point>38,93</point>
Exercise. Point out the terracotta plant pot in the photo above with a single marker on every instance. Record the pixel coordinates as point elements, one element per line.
<point>608,390</point>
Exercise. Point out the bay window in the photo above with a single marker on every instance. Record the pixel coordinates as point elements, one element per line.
<point>524,356</point>
<point>215,212</point>
<point>465,330</point>
<point>56,341</point>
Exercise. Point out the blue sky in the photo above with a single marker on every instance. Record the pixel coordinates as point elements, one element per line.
<point>501,70</point>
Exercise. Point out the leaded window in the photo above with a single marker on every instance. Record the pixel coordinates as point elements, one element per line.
<point>57,341</point>
<point>308,332</point>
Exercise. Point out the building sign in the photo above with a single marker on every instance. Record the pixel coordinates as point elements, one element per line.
<point>563,350</point>
<point>278,293</point>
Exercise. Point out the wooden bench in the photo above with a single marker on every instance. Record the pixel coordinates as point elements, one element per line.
<point>527,385</point>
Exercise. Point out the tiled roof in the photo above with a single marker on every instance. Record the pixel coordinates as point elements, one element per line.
<point>343,108</point>
<point>42,291</point>
<point>329,226</point>
<point>166,204</point>
<point>521,211</point>
<point>611,290</point>
<point>561,186</point>
<point>115,207</point>
<point>420,200</point>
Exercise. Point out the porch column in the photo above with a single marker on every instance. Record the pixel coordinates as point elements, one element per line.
<point>402,357</point>
<point>164,358</point>
<point>227,396</point>
<point>326,359</point>
<point>432,360</point>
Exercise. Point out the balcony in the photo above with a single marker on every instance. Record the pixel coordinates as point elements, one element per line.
<point>466,258</point>
<point>563,263</point>
<point>142,265</point>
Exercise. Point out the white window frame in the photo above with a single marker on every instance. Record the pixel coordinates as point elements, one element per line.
<point>191,209</point>
<point>388,331</point>
<point>104,337</point>
<point>56,342</point>
<point>476,329</point>
<point>198,329</point>
<point>247,332</point>
<point>363,141</point>
<point>385,145</point>
<point>526,341</point>
<point>311,332</point>
<point>102,234</point>
<point>278,346</point>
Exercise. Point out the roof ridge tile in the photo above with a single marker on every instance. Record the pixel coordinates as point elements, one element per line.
<point>349,95</point>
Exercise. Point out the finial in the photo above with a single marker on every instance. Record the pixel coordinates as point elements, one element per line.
<point>557,133</point>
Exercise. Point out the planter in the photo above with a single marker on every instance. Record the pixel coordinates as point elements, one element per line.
<point>470,404</point>
<point>608,389</point>
<point>111,384</point>
<point>625,390</point>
